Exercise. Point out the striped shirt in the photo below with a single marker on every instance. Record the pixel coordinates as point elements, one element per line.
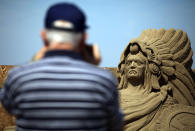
<point>62,92</point>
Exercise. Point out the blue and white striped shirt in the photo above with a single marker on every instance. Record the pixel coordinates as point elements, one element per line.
<point>62,92</point>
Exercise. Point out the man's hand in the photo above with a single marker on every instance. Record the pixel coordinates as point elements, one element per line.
<point>40,54</point>
<point>91,54</point>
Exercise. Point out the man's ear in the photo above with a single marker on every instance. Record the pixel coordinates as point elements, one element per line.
<point>83,41</point>
<point>43,36</point>
<point>85,36</point>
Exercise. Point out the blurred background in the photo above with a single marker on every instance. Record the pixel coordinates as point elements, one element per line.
<point>113,23</point>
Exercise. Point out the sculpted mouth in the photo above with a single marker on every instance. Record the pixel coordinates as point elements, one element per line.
<point>132,72</point>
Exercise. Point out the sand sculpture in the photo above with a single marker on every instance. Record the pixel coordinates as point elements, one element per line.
<point>156,83</point>
<point>156,86</point>
<point>5,119</point>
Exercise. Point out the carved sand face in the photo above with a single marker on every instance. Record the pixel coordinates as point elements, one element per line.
<point>135,66</point>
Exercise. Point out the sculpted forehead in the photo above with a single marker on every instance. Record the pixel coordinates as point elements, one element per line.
<point>139,56</point>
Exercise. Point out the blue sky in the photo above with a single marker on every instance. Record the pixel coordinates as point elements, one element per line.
<point>113,23</point>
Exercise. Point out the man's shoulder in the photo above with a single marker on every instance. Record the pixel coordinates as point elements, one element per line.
<point>24,67</point>
<point>76,66</point>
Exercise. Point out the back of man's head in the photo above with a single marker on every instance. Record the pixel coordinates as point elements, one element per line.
<point>65,23</point>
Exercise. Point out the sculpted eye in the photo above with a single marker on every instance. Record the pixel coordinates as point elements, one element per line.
<point>139,62</point>
<point>129,62</point>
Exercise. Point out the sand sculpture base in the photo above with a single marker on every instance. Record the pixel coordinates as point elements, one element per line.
<point>6,121</point>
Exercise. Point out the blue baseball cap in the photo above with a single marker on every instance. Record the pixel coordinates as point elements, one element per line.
<point>65,16</point>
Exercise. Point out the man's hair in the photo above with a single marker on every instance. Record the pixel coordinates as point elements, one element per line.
<point>62,37</point>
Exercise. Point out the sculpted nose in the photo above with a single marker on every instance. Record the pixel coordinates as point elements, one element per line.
<point>132,66</point>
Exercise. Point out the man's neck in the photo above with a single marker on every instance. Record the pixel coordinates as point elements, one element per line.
<point>61,46</point>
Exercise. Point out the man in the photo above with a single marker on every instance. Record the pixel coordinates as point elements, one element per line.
<point>62,91</point>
